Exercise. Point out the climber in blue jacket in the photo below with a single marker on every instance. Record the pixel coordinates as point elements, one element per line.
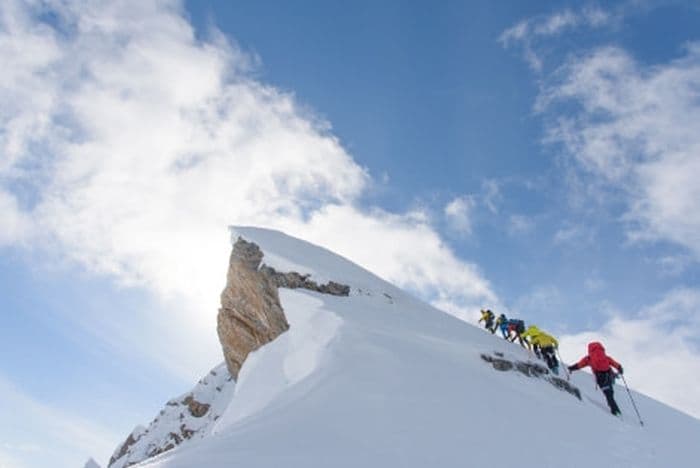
<point>502,324</point>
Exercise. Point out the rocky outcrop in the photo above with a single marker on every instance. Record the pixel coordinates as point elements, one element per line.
<point>294,280</point>
<point>130,441</point>
<point>530,369</point>
<point>197,409</point>
<point>190,416</point>
<point>251,314</point>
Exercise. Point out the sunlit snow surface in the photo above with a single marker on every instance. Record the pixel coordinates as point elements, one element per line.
<point>380,379</point>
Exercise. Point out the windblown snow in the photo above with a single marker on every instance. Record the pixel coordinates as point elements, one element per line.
<point>381,379</point>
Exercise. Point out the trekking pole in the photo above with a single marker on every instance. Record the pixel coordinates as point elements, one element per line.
<point>641,423</point>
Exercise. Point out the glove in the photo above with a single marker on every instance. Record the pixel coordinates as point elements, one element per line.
<point>621,371</point>
<point>572,368</point>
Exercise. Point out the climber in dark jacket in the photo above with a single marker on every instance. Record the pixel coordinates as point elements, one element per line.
<point>602,365</point>
<point>517,327</point>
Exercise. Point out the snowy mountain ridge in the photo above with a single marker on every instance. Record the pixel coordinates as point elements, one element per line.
<point>379,378</point>
<point>187,417</point>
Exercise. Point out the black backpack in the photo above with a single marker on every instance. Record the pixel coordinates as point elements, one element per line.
<point>519,326</point>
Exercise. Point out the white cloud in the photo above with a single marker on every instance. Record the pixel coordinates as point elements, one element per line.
<point>635,128</point>
<point>520,224</point>
<point>575,234</point>
<point>404,249</point>
<point>35,434</point>
<point>492,196</point>
<point>14,222</point>
<point>658,348</point>
<point>458,213</point>
<point>527,33</point>
<point>554,24</point>
<point>129,146</point>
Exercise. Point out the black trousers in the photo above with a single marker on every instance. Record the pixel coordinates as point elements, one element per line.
<point>605,381</point>
<point>549,356</point>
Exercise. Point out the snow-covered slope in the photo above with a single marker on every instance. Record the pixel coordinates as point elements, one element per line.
<point>381,379</point>
<point>183,420</point>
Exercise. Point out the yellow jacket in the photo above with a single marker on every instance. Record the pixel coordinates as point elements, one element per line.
<point>539,338</point>
<point>485,315</point>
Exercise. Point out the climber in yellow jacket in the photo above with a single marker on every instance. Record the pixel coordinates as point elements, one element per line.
<point>544,345</point>
<point>487,317</point>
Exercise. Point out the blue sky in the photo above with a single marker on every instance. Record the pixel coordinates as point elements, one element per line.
<point>540,158</point>
<point>439,106</point>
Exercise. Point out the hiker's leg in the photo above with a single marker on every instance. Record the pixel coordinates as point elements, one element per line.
<point>614,409</point>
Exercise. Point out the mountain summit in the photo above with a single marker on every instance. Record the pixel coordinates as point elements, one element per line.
<point>327,365</point>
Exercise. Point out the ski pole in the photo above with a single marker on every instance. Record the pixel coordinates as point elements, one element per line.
<point>641,423</point>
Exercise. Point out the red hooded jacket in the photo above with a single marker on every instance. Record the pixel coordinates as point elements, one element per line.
<point>597,359</point>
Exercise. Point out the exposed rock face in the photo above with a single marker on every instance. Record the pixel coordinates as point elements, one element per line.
<point>196,408</point>
<point>123,449</point>
<point>251,314</point>
<point>530,369</point>
<point>187,417</point>
<point>294,280</point>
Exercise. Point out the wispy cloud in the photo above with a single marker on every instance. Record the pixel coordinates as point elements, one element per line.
<point>458,213</point>
<point>129,145</point>
<point>386,244</point>
<point>491,194</point>
<point>574,234</point>
<point>634,128</point>
<point>673,265</point>
<point>520,224</point>
<point>527,33</point>
<point>659,341</point>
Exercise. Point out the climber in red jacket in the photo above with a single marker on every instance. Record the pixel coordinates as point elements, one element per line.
<point>601,365</point>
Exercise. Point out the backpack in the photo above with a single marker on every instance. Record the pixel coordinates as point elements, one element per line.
<point>519,326</point>
<point>597,358</point>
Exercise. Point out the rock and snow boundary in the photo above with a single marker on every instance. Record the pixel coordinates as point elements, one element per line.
<point>378,378</point>
<point>290,355</point>
<point>187,417</point>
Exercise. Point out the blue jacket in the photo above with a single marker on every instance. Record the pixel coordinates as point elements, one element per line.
<point>504,328</point>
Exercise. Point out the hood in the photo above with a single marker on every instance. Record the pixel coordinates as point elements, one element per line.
<point>595,346</point>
